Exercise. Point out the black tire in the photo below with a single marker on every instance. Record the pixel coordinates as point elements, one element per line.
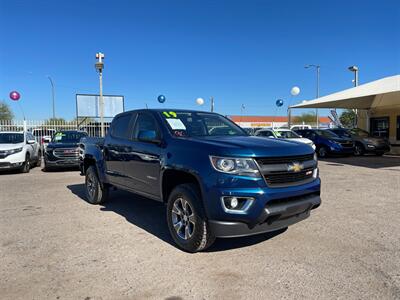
<point>26,167</point>
<point>201,236</point>
<point>359,149</point>
<point>322,152</point>
<point>46,167</point>
<point>96,193</point>
<point>39,160</point>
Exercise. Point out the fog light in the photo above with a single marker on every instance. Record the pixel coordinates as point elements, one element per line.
<point>236,205</point>
<point>234,202</point>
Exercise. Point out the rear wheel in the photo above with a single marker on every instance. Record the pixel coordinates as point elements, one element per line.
<point>26,167</point>
<point>322,152</point>
<point>186,219</point>
<point>95,192</point>
<point>359,150</point>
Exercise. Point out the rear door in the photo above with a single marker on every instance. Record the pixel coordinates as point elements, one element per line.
<point>116,149</point>
<point>143,162</point>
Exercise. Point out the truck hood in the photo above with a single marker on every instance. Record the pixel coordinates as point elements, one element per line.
<point>252,146</point>
<point>62,145</point>
<point>11,146</point>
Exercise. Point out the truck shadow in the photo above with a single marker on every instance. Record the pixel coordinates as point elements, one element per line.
<point>151,216</point>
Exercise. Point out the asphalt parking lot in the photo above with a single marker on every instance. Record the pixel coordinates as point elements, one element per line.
<point>54,245</point>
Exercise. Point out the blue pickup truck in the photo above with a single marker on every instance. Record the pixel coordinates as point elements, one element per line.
<point>215,179</point>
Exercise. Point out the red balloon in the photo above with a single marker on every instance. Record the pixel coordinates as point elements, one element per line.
<point>14,95</point>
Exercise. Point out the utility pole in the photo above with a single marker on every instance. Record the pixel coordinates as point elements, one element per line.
<point>212,104</point>
<point>317,67</point>
<point>99,65</point>
<point>53,96</point>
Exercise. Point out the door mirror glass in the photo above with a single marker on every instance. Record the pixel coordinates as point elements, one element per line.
<point>149,136</point>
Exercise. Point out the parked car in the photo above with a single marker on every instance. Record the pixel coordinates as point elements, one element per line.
<point>299,127</point>
<point>363,141</point>
<point>63,150</point>
<point>215,183</point>
<point>327,142</point>
<point>43,136</point>
<point>282,133</point>
<point>19,150</point>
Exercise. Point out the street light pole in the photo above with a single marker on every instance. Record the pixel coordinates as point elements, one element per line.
<point>99,65</point>
<point>212,104</point>
<point>53,96</point>
<point>317,67</point>
<point>354,69</point>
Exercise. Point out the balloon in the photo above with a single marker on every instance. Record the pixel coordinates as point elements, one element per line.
<point>161,98</point>
<point>295,91</point>
<point>15,96</point>
<point>200,101</point>
<point>279,102</point>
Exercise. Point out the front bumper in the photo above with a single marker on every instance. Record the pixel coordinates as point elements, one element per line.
<point>12,161</point>
<point>63,163</point>
<point>377,148</point>
<point>273,217</point>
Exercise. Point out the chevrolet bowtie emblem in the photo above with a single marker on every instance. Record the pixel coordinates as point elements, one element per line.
<point>295,167</point>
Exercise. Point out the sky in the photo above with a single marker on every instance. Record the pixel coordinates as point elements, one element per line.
<point>239,52</point>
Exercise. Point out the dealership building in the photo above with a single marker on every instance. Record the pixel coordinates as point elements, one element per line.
<point>377,104</point>
<point>270,121</point>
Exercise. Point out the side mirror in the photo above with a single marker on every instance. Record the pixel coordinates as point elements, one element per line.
<point>30,142</point>
<point>148,136</point>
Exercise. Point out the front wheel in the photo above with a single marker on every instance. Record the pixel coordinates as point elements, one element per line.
<point>95,192</point>
<point>26,166</point>
<point>359,150</point>
<point>322,152</point>
<point>186,219</point>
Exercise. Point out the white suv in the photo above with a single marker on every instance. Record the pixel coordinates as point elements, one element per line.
<point>19,150</point>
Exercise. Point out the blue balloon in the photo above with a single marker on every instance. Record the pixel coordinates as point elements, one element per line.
<point>161,98</point>
<point>279,102</point>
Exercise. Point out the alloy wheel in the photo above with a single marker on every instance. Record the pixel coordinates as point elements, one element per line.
<point>183,218</point>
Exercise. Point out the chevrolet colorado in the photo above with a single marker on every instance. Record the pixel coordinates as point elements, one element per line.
<point>215,179</point>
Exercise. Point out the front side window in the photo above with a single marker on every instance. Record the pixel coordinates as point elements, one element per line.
<point>266,133</point>
<point>145,122</point>
<point>200,124</point>
<point>287,134</point>
<point>11,138</point>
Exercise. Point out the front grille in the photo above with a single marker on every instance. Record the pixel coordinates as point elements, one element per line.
<point>66,152</point>
<point>287,178</point>
<point>284,159</point>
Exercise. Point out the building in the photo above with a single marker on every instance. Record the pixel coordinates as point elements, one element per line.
<point>377,104</point>
<point>270,121</point>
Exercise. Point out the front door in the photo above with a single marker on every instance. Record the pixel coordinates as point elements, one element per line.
<point>143,167</point>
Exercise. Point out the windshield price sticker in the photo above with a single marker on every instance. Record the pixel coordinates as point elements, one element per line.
<point>176,124</point>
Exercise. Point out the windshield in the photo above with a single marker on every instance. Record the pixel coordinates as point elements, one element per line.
<point>326,133</point>
<point>359,132</point>
<point>287,134</point>
<point>198,124</point>
<point>11,138</point>
<point>68,137</point>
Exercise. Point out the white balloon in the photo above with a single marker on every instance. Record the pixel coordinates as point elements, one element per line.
<point>200,101</point>
<point>295,91</point>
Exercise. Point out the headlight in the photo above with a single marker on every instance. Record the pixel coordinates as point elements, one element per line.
<point>13,151</point>
<point>315,156</point>
<point>238,166</point>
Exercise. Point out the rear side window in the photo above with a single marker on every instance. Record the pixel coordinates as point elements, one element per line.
<point>120,127</point>
<point>265,133</point>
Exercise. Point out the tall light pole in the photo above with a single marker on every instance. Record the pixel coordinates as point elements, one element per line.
<point>53,96</point>
<point>99,65</point>
<point>354,69</point>
<point>212,104</point>
<point>317,67</point>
